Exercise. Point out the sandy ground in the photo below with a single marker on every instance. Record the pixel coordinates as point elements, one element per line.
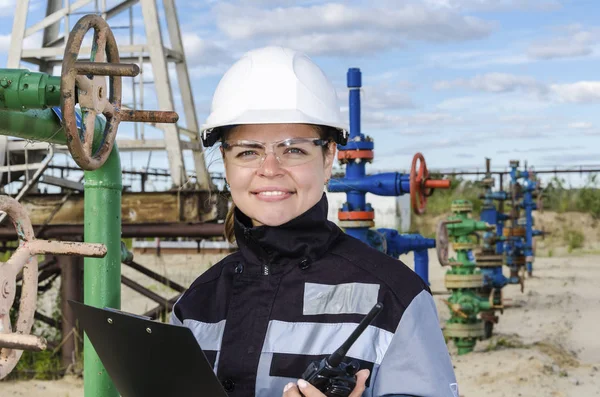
<point>544,345</point>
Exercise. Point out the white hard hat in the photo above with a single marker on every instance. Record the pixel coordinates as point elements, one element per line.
<point>274,85</point>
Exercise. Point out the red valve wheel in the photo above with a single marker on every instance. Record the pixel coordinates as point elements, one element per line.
<point>421,186</point>
<point>418,192</point>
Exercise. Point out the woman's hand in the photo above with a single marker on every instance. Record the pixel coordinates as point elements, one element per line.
<point>308,390</point>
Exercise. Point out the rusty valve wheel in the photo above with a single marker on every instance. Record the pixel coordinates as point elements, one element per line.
<point>442,242</point>
<point>93,95</point>
<point>24,258</point>
<point>421,186</point>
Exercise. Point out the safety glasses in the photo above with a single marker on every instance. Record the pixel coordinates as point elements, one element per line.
<point>288,152</point>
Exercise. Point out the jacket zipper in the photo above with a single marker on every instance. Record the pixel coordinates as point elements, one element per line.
<point>266,269</point>
<point>267,266</point>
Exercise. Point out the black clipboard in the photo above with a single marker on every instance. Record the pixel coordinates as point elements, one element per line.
<point>145,358</point>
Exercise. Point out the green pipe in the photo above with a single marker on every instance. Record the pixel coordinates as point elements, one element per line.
<point>102,276</point>
<point>21,89</point>
<point>34,124</point>
<point>102,224</point>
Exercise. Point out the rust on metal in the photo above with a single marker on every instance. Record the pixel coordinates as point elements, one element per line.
<point>194,230</point>
<point>104,48</point>
<point>67,248</point>
<point>345,155</point>
<point>24,259</point>
<point>166,207</point>
<point>22,342</point>
<point>94,95</point>
<point>442,242</point>
<point>148,116</point>
<point>107,69</point>
<point>514,231</point>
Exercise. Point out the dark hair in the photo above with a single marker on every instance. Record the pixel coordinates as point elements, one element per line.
<point>324,132</point>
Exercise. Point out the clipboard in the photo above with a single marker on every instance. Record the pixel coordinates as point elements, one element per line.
<point>146,358</point>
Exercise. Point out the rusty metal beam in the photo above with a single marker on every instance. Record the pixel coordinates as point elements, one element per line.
<point>136,208</point>
<point>70,283</point>
<point>139,288</point>
<point>154,313</point>
<point>47,320</point>
<point>201,230</point>
<point>155,276</point>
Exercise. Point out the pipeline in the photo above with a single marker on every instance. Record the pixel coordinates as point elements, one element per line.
<point>463,279</point>
<point>356,216</point>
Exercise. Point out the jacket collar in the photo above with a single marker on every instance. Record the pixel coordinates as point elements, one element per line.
<point>302,240</point>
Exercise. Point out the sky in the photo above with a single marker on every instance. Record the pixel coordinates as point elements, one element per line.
<point>457,80</point>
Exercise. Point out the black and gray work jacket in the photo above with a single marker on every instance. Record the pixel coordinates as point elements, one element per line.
<point>293,294</point>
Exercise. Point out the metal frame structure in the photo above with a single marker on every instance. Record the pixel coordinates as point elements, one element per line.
<point>30,101</point>
<point>154,51</point>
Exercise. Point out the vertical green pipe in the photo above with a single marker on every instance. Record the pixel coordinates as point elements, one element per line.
<point>102,276</point>
<point>102,224</point>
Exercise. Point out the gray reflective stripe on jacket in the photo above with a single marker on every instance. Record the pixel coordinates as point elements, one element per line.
<point>339,299</point>
<point>417,361</point>
<point>413,361</point>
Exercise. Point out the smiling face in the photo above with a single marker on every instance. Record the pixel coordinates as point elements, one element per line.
<point>272,194</point>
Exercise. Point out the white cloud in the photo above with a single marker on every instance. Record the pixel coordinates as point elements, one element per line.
<point>574,42</point>
<point>199,51</point>
<point>495,82</point>
<point>548,149</point>
<point>559,48</point>
<point>497,5</point>
<point>33,41</point>
<point>385,120</point>
<point>581,125</point>
<point>7,6</point>
<point>580,92</point>
<point>354,43</point>
<point>475,59</point>
<point>570,158</point>
<point>342,28</point>
<point>276,3</point>
<point>379,98</point>
<point>201,71</point>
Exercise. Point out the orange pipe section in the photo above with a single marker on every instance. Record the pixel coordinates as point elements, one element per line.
<point>356,215</point>
<point>437,184</point>
<point>355,154</point>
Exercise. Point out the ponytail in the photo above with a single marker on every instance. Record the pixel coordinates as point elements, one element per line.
<point>229,218</point>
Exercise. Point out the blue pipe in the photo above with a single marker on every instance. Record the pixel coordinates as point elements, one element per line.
<point>385,184</point>
<point>400,244</point>
<point>356,185</point>
<point>354,171</point>
<point>494,278</point>
<point>421,259</point>
<point>491,215</point>
<point>528,205</point>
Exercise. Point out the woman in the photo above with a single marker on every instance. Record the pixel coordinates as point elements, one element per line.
<point>298,285</point>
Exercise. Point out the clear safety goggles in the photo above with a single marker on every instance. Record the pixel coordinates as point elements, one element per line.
<point>288,152</point>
